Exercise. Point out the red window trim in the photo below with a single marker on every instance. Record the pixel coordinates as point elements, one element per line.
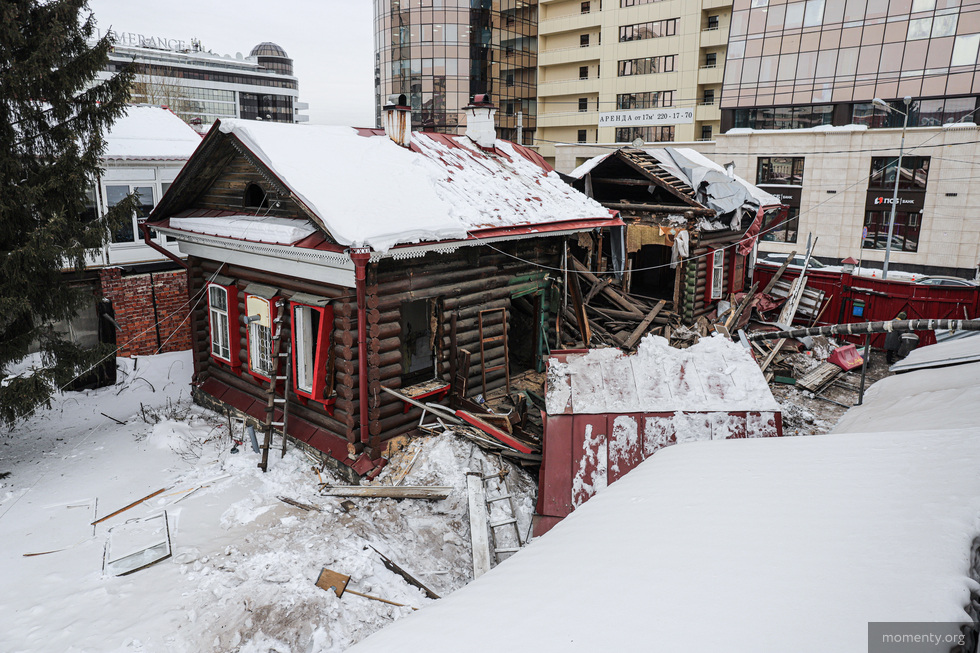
<point>710,276</point>
<point>319,358</point>
<point>231,296</point>
<point>273,314</point>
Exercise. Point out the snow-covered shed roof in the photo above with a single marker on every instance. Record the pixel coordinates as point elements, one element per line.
<point>942,354</point>
<point>722,191</point>
<point>715,375</point>
<point>735,545</point>
<point>152,134</point>
<point>366,190</point>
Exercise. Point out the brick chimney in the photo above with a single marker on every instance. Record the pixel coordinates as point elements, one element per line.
<point>479,121</point>
<point>398,120</point>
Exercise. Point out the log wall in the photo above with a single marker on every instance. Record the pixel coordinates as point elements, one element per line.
<point>461,283</point>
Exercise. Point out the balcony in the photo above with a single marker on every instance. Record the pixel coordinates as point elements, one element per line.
<point>715,4</point>
<point>572,86</point>
<point>714,36</point>
<point>708,112</point>
<point>569,119</point>
<point>569,23</point>
<point>573,54</point>
<point>713,74</point>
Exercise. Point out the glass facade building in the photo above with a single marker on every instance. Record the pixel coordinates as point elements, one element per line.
<point>440,53</point>
<point>803,63</point>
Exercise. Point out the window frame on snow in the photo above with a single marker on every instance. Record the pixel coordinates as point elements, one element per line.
<point>312,350</point>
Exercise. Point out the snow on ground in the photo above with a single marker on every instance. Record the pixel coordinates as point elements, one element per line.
<point>769,544</point>
<point>244,563</point>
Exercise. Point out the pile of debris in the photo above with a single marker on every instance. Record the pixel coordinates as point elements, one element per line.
<point>601,314</point>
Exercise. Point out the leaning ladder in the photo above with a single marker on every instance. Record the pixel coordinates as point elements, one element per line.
<point>280,370</point>
<point>501,493</point>
<point>484,341</point>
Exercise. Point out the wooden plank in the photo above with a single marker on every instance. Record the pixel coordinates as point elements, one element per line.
<point>607,290</point>
<point>779,273</point>
<point>384,491</point>
<point>578,305</point>
<point>132,505</point>
<point>641,329</point>
<point>479,535</point>
<point>489,429</point>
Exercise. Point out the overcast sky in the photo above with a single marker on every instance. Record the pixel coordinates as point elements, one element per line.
<point>331,42</point>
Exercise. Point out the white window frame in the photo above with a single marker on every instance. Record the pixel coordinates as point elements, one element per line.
<point>260,360</point>
<point>220,324</point>
<point>718,274</point>
<point>305,347</point>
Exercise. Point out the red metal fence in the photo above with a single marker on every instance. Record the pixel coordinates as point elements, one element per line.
<point>868,299</point>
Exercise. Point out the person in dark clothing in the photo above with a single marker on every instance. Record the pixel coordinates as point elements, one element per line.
<point>893,341</point>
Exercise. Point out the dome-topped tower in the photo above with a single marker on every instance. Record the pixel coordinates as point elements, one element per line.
<point>273,57</point>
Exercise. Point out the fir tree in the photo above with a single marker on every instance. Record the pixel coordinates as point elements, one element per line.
<point>54,115</point>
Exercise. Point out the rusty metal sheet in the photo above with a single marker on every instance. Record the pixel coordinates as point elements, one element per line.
<point>625,445</point>
<point>589,457</point>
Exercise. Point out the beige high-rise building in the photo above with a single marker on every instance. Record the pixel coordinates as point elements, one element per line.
<point>617,70</point>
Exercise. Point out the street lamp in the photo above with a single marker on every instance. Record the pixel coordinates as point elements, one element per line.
<point>898,171</point>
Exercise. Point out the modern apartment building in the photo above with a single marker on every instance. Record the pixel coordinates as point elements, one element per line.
<point>440,53</point>
<point>612,71</point>
<point>201,86</point>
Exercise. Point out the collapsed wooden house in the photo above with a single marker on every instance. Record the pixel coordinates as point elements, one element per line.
<point>690,226</point>
<point>328,263</point>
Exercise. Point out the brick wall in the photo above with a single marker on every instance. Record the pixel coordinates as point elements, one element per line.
<point>147,325</point>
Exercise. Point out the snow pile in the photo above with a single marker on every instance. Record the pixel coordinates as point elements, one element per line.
<point>151,133</point>
<point>713,375</point>
<point>244,563</point>
<point>735,545</point>
<point>442,193</point>
<point>281,231</point>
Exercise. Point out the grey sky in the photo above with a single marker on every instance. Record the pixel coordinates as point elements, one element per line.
<point>331,42</point>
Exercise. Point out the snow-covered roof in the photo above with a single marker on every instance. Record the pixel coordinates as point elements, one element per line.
<point>151,133</point>
<point>738,546</point>
<point>368,191</point>
<point>713,375</point>
<point>692,167</point>
<point>282,231</point>
<point>942,354</point>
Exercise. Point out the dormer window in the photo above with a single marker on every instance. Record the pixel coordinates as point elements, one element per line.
<point>255,197</point>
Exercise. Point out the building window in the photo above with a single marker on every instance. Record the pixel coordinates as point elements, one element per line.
<point>710,60</point>
<point>645,100</point>
<point>712,22</point>
<point>583,72</point>
<point>312,351</point>
<point>128,231</point>
<point>648,30</point>
<point>782,170</point>
<point>922,113</point>
<point>583,104</point>
<point>586,7</point>
<point>915,173</point>
<point>583,40</point>
<point>785,117</point>
<point>905,236</point>
<point>781,227</point>
<point>715,287</point>
<point>255,197</point>
<point>647,65</point>
<point>222,316</point>
<point>510,79</point>
<point>709,96</point>
<point>663,134</point>
<point>582,135</point>
<point>705,132</point>
<point>260,315</point>
<point>418,341</point>
<point>633,3</point>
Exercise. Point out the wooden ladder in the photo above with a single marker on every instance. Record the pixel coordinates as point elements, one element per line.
<point>501,493</point>
<point>280,371</point>
<point>483,351</point>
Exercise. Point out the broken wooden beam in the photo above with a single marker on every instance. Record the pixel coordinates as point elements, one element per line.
<point>433,493</point>
<point>479,536</point>
<point>132,505</point>
<point>489,429</point>
<point>779,273</point>
<point>618,298</point>
<point>410,579</point>
<point>643,326</point>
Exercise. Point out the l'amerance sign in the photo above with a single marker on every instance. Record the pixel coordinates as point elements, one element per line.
<point>646,117</point>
